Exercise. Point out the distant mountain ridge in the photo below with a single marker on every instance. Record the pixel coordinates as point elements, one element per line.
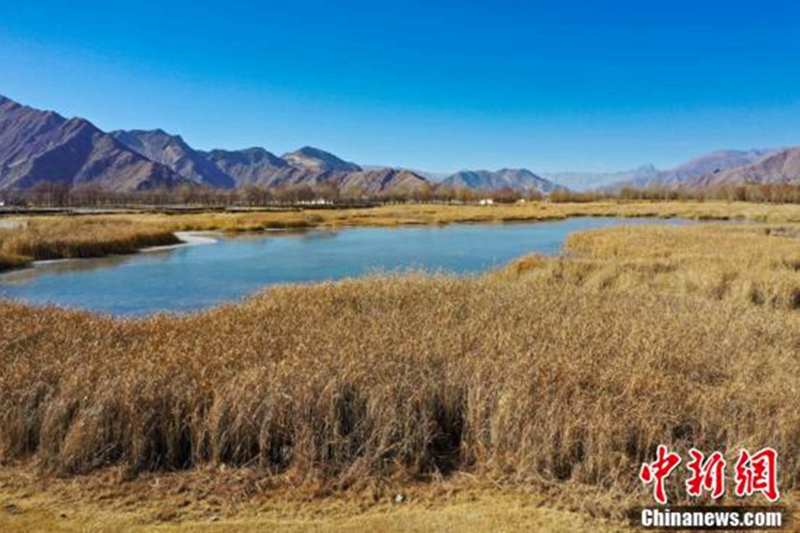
<point>587,181</point>
<point>318,160</point>
<point>777,167</point>
<point>689,172</point>
<point>249,166</point>
<point>519,179</point>
<point>172,151</point>
<point>42,146</point>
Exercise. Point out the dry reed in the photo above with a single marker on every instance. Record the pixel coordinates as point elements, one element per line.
<point>544,374</point>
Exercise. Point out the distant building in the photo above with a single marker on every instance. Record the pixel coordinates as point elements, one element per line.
<point>486,201</point>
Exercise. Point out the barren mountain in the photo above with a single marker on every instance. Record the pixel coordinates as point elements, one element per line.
<point>172,151</point>
<point>517,179</point>
<point>248,166</point>
<point>42,146</point>
<point>384,180</point>
<point>779,167</point>
<point>705,164</point>
<point>318,160</point>
<point>585,181</point>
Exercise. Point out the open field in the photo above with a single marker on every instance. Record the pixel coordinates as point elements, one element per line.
<point>543,385</point>
<point>57,237</point>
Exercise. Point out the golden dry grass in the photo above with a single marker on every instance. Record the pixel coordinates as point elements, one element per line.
<point>752,264</point>
<point>557,375</point>
<point>68,238</point>
<point>532,380</point>
<point>214,500</point>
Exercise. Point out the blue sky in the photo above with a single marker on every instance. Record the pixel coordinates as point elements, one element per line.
<point>441,86</point>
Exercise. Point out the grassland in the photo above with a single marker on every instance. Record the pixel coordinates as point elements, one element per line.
<point>535,390</point>
<point>62,237</point>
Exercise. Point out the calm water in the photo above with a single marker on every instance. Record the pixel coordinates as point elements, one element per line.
<point>196,277</point>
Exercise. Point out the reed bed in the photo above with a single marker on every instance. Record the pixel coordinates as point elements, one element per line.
<point>531,376</point>
<point>70,238</point>
<point>756,265</point>
<point>561,374</point>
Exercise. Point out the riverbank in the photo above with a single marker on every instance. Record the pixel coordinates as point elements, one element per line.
<point>63,237</point>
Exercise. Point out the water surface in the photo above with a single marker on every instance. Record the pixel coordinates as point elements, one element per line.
<point>196,277</point>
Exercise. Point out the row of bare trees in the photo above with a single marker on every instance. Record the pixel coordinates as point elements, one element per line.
<point>58,195</point>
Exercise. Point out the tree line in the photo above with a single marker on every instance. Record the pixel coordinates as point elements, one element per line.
<point>59,195</point>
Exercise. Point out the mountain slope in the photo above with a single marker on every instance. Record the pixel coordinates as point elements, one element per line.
<point>779,167</point>
<point>318,160</point>
<point>701,166</point>
<point>248,166</point>
<point>172,151</point>
<point>584,181</point>
<point>380,181</point>
<point>517,179</point>
<point>42,146</point>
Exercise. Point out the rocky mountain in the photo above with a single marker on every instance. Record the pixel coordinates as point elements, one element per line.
<point>248,166</point>
<point>517,179</point>
<point>706,164</point>
<point>586,181</point>
<point>42,146</point>
<point>172,151</point>
<point>782,166</point>
<point>318,160</point>
<point>380,181</point>
<point>434,177</point>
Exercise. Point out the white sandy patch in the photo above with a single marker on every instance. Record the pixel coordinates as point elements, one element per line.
<point>12,224</point>
<point>187,238</point>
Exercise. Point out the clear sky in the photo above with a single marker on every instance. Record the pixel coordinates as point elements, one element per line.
<point>436,85</point>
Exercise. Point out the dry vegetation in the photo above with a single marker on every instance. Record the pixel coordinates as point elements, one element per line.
<point>556,375</point>
<point>69,238</point>
<point>751,264</point>
<point>59,237</point>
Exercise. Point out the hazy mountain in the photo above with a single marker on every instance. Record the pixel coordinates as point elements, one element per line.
<point>384,180</point>
<point>778,167</point>
<point>705,164</point>
<point>42,146</point>
<point>517,179</point>
<point>584,181</point>
<point>318,160</point>
<point>248,166</point>
<point>172,150</point>
<point>434,177</point>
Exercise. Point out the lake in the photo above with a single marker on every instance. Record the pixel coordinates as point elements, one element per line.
<point>196,277</point>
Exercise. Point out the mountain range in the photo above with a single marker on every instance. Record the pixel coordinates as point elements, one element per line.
<point>44,147</point>
<point>776,167</point>
<point>513,178</point>
<point>588,181</point>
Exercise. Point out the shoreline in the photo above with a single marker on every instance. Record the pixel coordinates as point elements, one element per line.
<point>187,238</point>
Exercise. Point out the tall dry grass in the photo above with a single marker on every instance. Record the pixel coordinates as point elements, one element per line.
<point>69,238</point>
<point>525,378</point>
<point>751,264</point>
